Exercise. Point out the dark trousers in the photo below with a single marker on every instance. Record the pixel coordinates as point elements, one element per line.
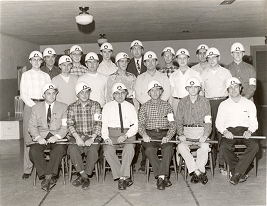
<point>139,147</point>
<point>227,146</point>
<point>43,167</point>
<point>160,167</point>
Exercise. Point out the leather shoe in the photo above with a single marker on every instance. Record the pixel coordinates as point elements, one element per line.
<point>141,169</point>
<point>122,184</point>
<point>45,185</point>
<point>203,178</point>
<point>243,178</point>
<point>129,182</point>
<point>25,176</point>
<point>194,179</point>
<point>86,183</point>
<point>160,184</point>
<point>235,178</point>
<point>167,182</point>
<point>78,182</point>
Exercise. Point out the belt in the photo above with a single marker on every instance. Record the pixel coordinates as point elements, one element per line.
<point>37,100</point>
<point>177,98</point>
<point>216,98</point>
<point>192,125</point>
<point>116,128</point>
<point>157,130</point>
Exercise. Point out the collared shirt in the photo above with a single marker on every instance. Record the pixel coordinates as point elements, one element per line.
<point>31,85</point>
<point>81,119</point>
<point>178,81</point>
<point>142,82</point>
<point>78,70</point>
<point>197,113</point>
<point>156,116</point>
<point>201,67</point>
<point>232,114</point>
<point>128,79</point>
<point>215,82</point>
<point>107,68</point>
<point>247,76</point>
<point>168,70</point>
<point>51,72</point>
<point>111,118</point>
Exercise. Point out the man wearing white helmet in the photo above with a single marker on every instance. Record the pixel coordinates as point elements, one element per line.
<point>84,124</point>
<point>49,56</point>
<point>168,55</point>
<point>65,82</point>
<point>201,55</point>
<point>150,61</point>
<point>136,65</point>
<point>156,121</point>
<point>179,77</point>
<point>119,124</point>
<point>76,53</point>
<point>193,119</point>
<point>31,85</point>
<point>107,67</point>
<point>242,70</point>
<point>96,80</point>
<point>47,125</point>
<point>237,116</point>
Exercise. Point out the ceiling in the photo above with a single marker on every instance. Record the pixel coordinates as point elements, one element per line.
<point>53,22</point>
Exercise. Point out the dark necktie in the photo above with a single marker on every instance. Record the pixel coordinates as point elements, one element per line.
<point>48,115</point>
<point>138,66</point>
<point>121,120</point>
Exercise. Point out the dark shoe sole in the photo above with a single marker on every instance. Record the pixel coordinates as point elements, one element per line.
<point>25,176</point>
<point>161,188</point>
<point>233,183</point>
<point>243,179</point>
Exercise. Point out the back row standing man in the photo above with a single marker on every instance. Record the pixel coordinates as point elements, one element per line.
<point>76,53</point>
<point>201,55</point>
<point>168,55</point>
<point>49,56</point>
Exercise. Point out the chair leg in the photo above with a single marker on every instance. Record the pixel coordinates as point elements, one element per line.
<point>211,165</point>
<point>63,170</point>
<point>255,166</point>
<point>228,171</point>
<point>70,170</point>
<point>185,171</point>
<point>34,172</point>
<point>104,168</point>
<point>175,167</point>
<point>132,172</point>
<point>97,171</point>
<point>147,170</point>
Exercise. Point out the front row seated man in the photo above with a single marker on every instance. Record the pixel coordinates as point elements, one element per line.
<point>194,122</point>
<point>156,121</point>
<point>85,129</point>
<point>119,124</point>
<point>237,116</point>
<point>47,125</point>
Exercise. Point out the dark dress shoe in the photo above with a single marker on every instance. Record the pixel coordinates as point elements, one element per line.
<point>122,184</point>
<point>129,182</point>
<point>167,182</point>
<point>78,182</point>
<point>160,184</point>
<point>235,178</point>
<point>25,176</point>
<point>203,178</point>
<point>45,185</point>
<point>141,169</point>
<point>243,178</point>
<point>194,178</point>
<point>86,184</point>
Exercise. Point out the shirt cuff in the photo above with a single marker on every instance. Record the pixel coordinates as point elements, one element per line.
<point>35,139</point>
<point>58,136</point>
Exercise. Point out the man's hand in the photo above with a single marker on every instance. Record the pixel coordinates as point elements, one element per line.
<point>108,141</point>
<point>165,140</point>
<point>247,134</point>
<point>228,134</point>
<point>182,138</point>
<point>41,140</point>
<point>52,139</point>
<point>79,141</point>
<point>122,138</point>
<point>89,142</point>
<point>146,138</point>
<point>202,139</point>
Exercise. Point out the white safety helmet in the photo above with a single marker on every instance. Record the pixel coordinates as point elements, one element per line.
<point>202,46</point>
<point>80,87</point>
<point>168,49</point>
<point>118,87</point>
<point>106,45</point>
<point>136,43</point>
<point>49,51</point>
<point>121,55</point>
<point>35,54</point>
<point>150,55</point>
<point>182,51</point>
<point>193,81</point>
<point>75,48</point>
<point>64,59</point>
<point>152,84</point>
<point>232,81</point>
<point>48,86</point>
<point>236,47</point>
<point>212,52</point>
<point>91,56</point>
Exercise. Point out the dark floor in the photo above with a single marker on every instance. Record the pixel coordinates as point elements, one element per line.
<point>218,191</point>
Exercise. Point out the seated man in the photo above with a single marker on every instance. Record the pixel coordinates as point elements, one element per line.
<point>84,129</point>
<point>194,122</point>
<point>237,116</point>
<point>48,124</point>
<point>119,124</point>
<point>156,121</point>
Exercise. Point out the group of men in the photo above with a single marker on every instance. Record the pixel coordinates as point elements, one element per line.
<point>119,103</point>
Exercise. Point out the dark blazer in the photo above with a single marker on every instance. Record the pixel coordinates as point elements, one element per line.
<point>132,67</point>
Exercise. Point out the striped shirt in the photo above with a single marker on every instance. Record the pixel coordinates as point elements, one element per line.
<point>155,116</point>
<point>78,70</point>
<point>168,70</point>
<point>189,113</point>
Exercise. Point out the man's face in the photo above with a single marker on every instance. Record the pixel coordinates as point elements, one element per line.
<point>50,60</point>
<point>168,57</point>
<point>119,96</point>
<point>137,51</point>
<point>92,65</point>
<point>106,53</point>
<point>182,60</point>
<point>155,93</point>
<point>123,63</point>
<point>213,61</point>
<point>36,62</point>
<point>234,90</point>
<point>65,67</point>
<point>202,55</point>
<point>50,96</point>
<point>193,90</point>
<point>151,64</point>
<point>84,95</point>
<point>76,56</point>
<point>238,55</point>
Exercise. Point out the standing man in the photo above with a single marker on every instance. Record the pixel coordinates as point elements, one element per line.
<point>84,129</point>
<point>243,71</point>
<point>76,53</point>
<point>120,124</point>
<point>156,121</point>
<point>237,116</point>
<point>31,85</point>
<point>47,125</point>
<point>168,55</point>
<point>201,55</point>
<point>49,56</point>
<point>107,67</point>
<point>194,122</point>
<point>95,80</point>
<point>136,65</point>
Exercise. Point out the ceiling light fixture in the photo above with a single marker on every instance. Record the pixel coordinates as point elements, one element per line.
<point>227,2</point>
<point>102,39</point>
<point>84,17</point>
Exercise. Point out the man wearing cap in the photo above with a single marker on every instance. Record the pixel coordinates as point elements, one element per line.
<point>65,82</point>
<point>95,80</point>
<point>201,55</point>
<point>49,56</point>
<point>156,121</point>
<point>119,124</point>
<point>47,125</point>
<point>179,77</point>
<point>84,124</point>
<point>237,116</point>
<point>243,71</point>
<point>76,53</point>
<point>194,122</point>
<point>136,65</point>
<point>107,67</point>
<point>31,85</point>
<point>168,56</point>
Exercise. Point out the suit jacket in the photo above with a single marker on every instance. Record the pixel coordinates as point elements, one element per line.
<point>132,67</point>
<point>38,120</point>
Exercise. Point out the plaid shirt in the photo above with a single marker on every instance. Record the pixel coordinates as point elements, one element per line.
<point>78,70</point>
<point>168,70</point>
<point>155,116</point>
<point>81,119</point>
